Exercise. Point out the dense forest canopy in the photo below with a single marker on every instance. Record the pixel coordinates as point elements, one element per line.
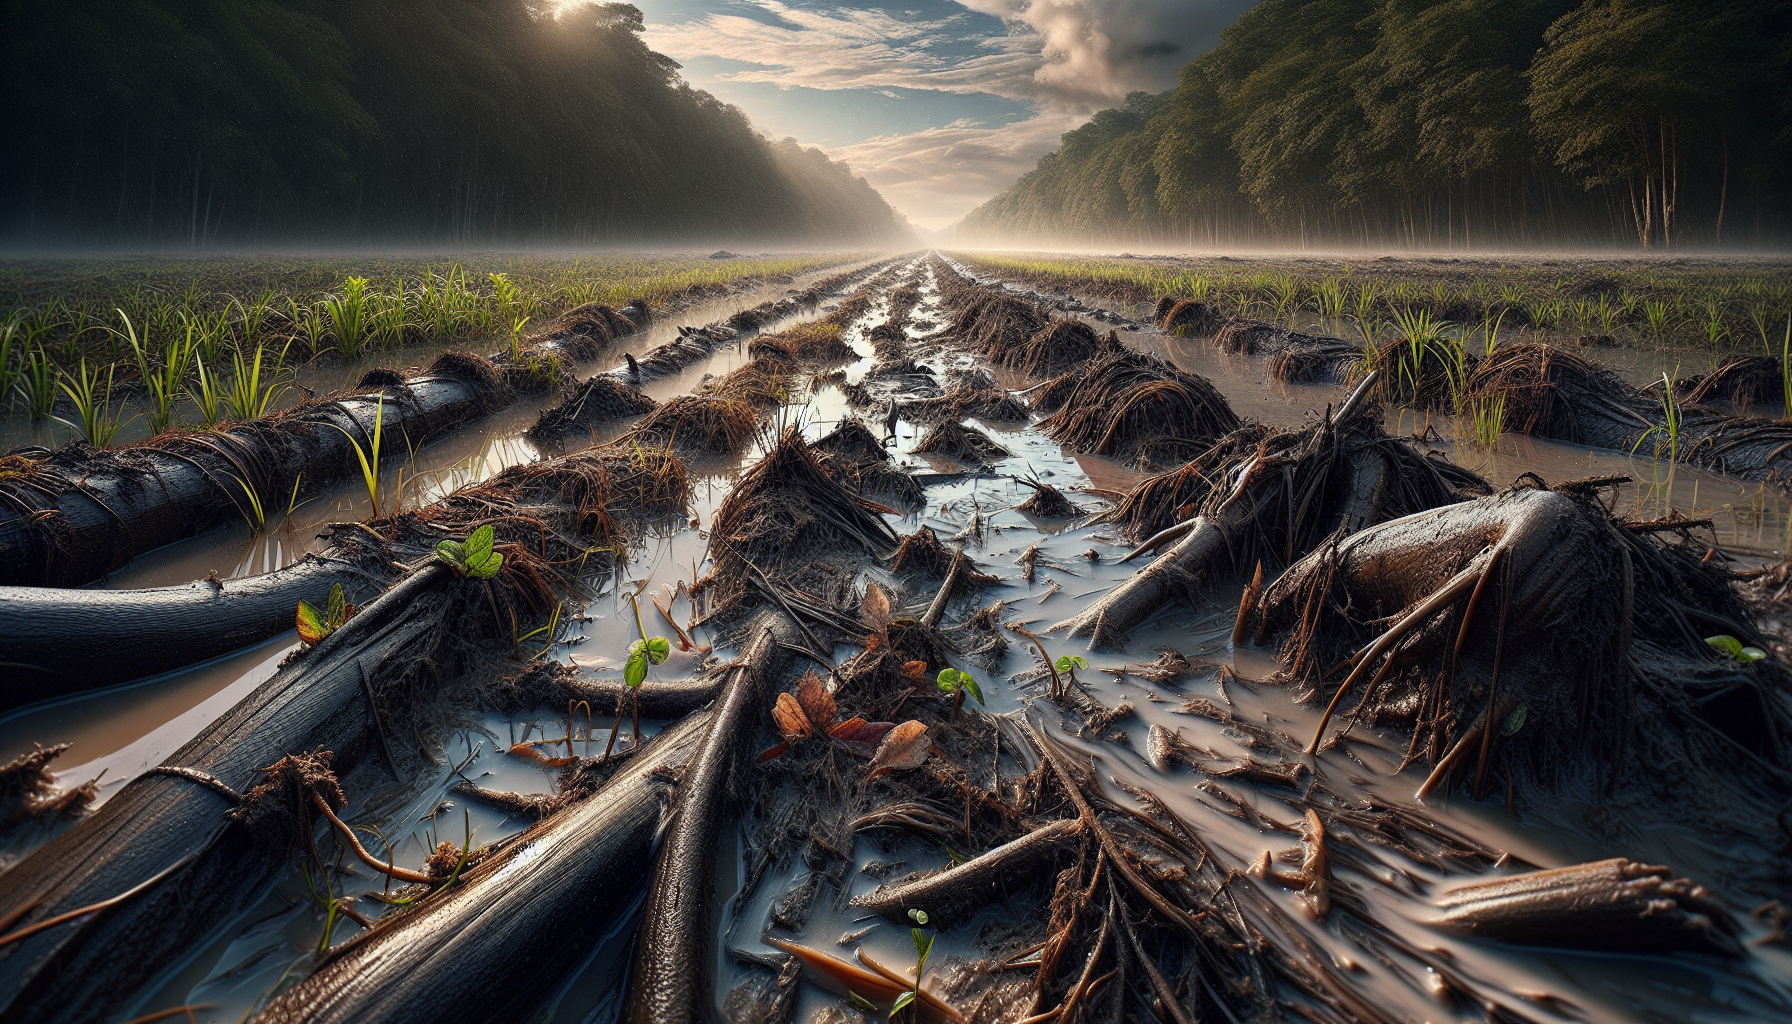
<point>1442,122</point>
<point>239,121</point>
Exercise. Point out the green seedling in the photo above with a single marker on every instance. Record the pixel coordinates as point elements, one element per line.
<point>1668,434</point>
<point>346,315</point>
<point>641,653</point>
<point>649,650</point>
<point>1786,370</point>
<point>923,946</point>
<point>1067,664</point>
<point>315,625</point>
<point>93,406</point>
<point>254,515</point>
<point>370,471</point>
<point>248,398</point>
<point>210,396</point>
<point>1732,648</point>
<point>957,684</point>
<point>474,558</point>
<point>164,382</point>
<point>36,383</point>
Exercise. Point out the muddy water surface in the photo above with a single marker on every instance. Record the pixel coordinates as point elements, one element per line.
<point>123,731</point>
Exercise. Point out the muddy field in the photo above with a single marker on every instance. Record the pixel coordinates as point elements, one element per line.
<point>1112,660</point>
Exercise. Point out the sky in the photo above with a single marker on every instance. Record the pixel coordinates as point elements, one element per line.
<point>940,104</point>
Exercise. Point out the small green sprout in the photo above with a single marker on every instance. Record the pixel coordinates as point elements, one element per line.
<point>923,946</point>
<point>474,559</point>
<point>653,650</point>
<point>958,684</point>
<point>313,625</point>
<point>1733,649</point>
<point>1067,664</point>
<point>649,650</point>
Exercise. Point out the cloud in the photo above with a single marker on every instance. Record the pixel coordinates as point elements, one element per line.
<point>1093,52</point>
<point>938,175</point>
<point>849,49</point>
<point>1065,58</point>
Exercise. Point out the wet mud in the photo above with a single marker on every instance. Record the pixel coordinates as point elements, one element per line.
<point>1133,673</point>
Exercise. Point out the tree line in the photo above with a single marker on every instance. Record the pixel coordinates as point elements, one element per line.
<point>203,122</point>
<point>1504,123</point>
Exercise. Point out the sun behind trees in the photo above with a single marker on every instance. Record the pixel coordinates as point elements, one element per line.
<point>1440,122</point>
<point>253,121</point>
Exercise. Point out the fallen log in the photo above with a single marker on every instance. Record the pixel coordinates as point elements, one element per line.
<point>673,979</point>
<point>175,824</point>
<point>951,896</point>
<point>71,516</point>
<point>1614,904</point>
<point>505,935</point>
<point>58,642</point>
<point>1287,492</point>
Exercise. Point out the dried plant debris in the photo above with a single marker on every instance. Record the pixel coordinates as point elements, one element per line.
<point>1047,502</point>
<point>1469,649</point>
<point>697,426</point>
<point>1130,406</point>
<point>1060,346</point>
<point>787,509</point>
<point>968,393</point>
<point>1741,380</point>
<point>600,399</point>
<point>29,792</point>
<point>1327,361</point>
<point>966,444</point>
<point>1187,316</point>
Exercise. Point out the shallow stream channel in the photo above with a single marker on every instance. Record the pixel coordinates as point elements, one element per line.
<point>1193,861</point>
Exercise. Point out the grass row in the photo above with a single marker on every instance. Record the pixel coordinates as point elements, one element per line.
<point>1709,303</point>
<point>218,340</point>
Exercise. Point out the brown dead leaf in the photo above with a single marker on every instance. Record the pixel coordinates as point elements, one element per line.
<point>906,746</point>
<point>875,609</point>
<point>817,703</point>
<point>914,669</point>
<point>792,722</point>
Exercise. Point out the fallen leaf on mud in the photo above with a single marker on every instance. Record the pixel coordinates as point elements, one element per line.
<point>792,722</point>
<point>817,703</point>
<point>875,609</point>
<point>906,746</point>
<point>914,669</point>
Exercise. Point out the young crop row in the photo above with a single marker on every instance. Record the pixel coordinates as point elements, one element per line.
<point>1712,308</point>
<point>196,353</point>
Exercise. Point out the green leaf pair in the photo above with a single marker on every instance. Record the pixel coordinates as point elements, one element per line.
<point>1071,662</point>
<point>1733,649</point>
<point>474,559</point>
<point>313,625</point>
<point>951,681</point>
<point>923,946</point>
<point>654,649</point>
